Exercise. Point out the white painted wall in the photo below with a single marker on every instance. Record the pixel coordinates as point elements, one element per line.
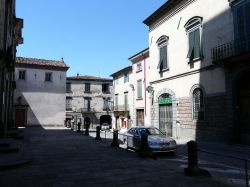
<point>216,17</point>
<point>46,100</point>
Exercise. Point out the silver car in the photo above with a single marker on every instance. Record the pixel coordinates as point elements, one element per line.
<point>157,141</point>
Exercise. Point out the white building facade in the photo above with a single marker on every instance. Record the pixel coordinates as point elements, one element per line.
<point>189,90</point>
<point>40,92</point>
<point>124,99</point>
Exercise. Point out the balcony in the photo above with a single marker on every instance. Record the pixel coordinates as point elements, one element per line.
<point>121,108</point>
<point>87,110</point>
<point>233,51</point>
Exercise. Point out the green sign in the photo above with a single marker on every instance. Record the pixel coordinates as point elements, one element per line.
<point>165,101</point>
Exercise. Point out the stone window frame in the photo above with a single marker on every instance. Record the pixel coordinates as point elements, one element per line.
<point>161,43</point>
<point>22,74</point>
<point>48,76</point>
<point>194,87</point>
<point>192,25</point>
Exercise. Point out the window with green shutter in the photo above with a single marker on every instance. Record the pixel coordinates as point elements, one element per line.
<point>139,89</point>
<point>193,29</point>
<point>163,53</point>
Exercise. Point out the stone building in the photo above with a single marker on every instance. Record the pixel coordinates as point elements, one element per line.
<point>199,70</point>
<point>10,37</point>
<point>140,71</point>
<point>89,100</point>
<point>40,92</point>
<point>124,99</point>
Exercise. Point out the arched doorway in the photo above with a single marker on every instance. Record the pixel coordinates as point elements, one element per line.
<point>165,114</point>
<point>242,128</point>
<point>105,119</point>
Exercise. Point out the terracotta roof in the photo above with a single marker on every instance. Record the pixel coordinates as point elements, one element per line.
<point>40,62</point>
<point>86,77</point>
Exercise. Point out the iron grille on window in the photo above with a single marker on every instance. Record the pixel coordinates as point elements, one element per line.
<point>198,104</point>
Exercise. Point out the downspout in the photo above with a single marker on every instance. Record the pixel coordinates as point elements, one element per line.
<point>145,98</point>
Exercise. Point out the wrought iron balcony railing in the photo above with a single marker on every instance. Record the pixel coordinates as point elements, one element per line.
<point>87,110</point>
<point>121,108</point>
<point>231,49</point>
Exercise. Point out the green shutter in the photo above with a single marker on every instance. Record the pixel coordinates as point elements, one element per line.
<point>139,89</point>
<point>247,20</point>
<point>164,57</point>
<point>191,46</point>
<point>240,22</point>
<point>197,48</point>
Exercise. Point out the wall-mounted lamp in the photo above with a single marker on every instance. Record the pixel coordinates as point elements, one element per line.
<point>150,89</point>
<point>132,86</point>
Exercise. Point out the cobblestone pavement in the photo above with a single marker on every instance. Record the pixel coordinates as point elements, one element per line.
<point>63,158</point>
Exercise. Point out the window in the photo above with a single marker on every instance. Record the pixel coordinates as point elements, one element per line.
<point>242,20</point>
<point>139,89</point>
<point>87,87</point>
<point>138,67</point>
<point>68,87</point>
<point>125,101</point>
<point>193,29</point>
<point>68,103</point>
<point>126,77</point>
<point>116,102</point>
<point>48,76</point>
<point>105,88</point>
<point>163,53</point>
<point>116,81</point>
<point>106,102</point>
<point>22,74</point>
<point>198,104</point>
<point>87,103</point>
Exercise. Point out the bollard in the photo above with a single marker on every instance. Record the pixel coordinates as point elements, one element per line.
<point>193,168</point>
<point>98,137</point>
<point>115,142</point>
<point>87,130</point>
<point>78,127</point>
<point>144,147</point>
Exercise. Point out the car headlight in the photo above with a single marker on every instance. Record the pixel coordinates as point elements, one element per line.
<point>172,142</point>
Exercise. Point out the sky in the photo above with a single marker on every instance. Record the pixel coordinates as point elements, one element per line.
<point>94,37</point>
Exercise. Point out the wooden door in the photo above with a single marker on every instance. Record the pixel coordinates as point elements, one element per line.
<point>20,117</point>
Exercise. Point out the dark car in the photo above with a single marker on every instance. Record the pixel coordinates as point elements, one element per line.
<point>157,141</point>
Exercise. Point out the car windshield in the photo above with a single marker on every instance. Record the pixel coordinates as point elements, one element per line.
<point>150,131</point>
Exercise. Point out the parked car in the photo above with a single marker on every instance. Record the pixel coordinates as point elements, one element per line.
<point>105,126</point>
<point>157,141</point>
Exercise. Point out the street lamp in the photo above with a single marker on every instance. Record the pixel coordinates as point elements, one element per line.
<point>150,89</point>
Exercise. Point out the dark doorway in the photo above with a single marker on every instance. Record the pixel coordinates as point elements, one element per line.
<point>105,119</point>
<point>243,107</point>
<point>20,117</point>
<point>165,114</point>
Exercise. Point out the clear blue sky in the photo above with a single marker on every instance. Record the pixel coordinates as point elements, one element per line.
<point>95,37</point>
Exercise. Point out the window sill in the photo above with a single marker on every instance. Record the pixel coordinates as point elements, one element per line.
<point>88,92</point>
<point>106,92</point>
<point>164,70</point>
<point>195,60</point>
<point>138,71</point>
<point>140,98</point>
